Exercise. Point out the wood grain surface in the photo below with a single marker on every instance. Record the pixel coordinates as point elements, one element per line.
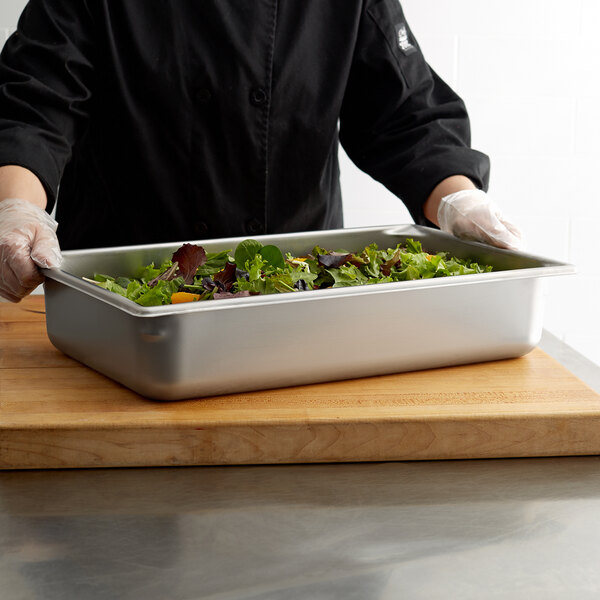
<point>57,413</point>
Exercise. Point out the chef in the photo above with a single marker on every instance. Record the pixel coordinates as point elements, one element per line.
<point>149,122</point>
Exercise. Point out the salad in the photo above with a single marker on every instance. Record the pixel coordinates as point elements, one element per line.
<point>193,275</point>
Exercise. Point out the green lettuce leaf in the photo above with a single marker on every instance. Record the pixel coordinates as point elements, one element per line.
<point>258,269</point>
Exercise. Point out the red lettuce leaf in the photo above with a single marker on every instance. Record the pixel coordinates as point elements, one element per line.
<point>226,278</point>
<point>333,260</point>
<point>208,284</point>
<point>386,267</point>
<point>189,258</point>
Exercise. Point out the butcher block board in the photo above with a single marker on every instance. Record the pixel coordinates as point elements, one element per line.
<point>57,413</point>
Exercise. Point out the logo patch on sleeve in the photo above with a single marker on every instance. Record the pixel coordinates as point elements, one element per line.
<point>402,40</point>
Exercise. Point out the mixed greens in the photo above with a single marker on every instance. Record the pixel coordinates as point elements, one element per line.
<point>193,275</point>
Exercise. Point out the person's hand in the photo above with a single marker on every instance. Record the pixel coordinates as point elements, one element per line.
<point>473,215</point>
<point>27,241</point>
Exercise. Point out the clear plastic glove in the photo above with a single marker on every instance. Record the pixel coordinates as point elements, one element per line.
<point>473,215</point>
<point>27,241</point>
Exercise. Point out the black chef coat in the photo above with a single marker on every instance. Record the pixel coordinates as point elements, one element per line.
<point>168,120</point>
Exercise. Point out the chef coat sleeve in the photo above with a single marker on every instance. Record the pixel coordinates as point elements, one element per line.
<point>399,122</point>
<point>45,70</point>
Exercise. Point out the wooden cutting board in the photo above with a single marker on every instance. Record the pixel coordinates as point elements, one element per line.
<point>57,413</point>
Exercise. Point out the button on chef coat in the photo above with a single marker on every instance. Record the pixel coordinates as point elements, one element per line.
<point>155,117</point>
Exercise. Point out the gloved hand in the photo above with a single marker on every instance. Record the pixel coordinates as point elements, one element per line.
<point>27,241</point>
<point>473,215</point>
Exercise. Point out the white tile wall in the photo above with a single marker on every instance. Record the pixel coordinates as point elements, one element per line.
<point>529,71</point>
<point>10,11</point>
<point>522,126</point>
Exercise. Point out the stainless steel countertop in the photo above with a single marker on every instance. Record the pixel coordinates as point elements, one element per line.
<point>478,529</point>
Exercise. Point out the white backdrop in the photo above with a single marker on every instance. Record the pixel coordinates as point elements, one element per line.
<point>529,71</point>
